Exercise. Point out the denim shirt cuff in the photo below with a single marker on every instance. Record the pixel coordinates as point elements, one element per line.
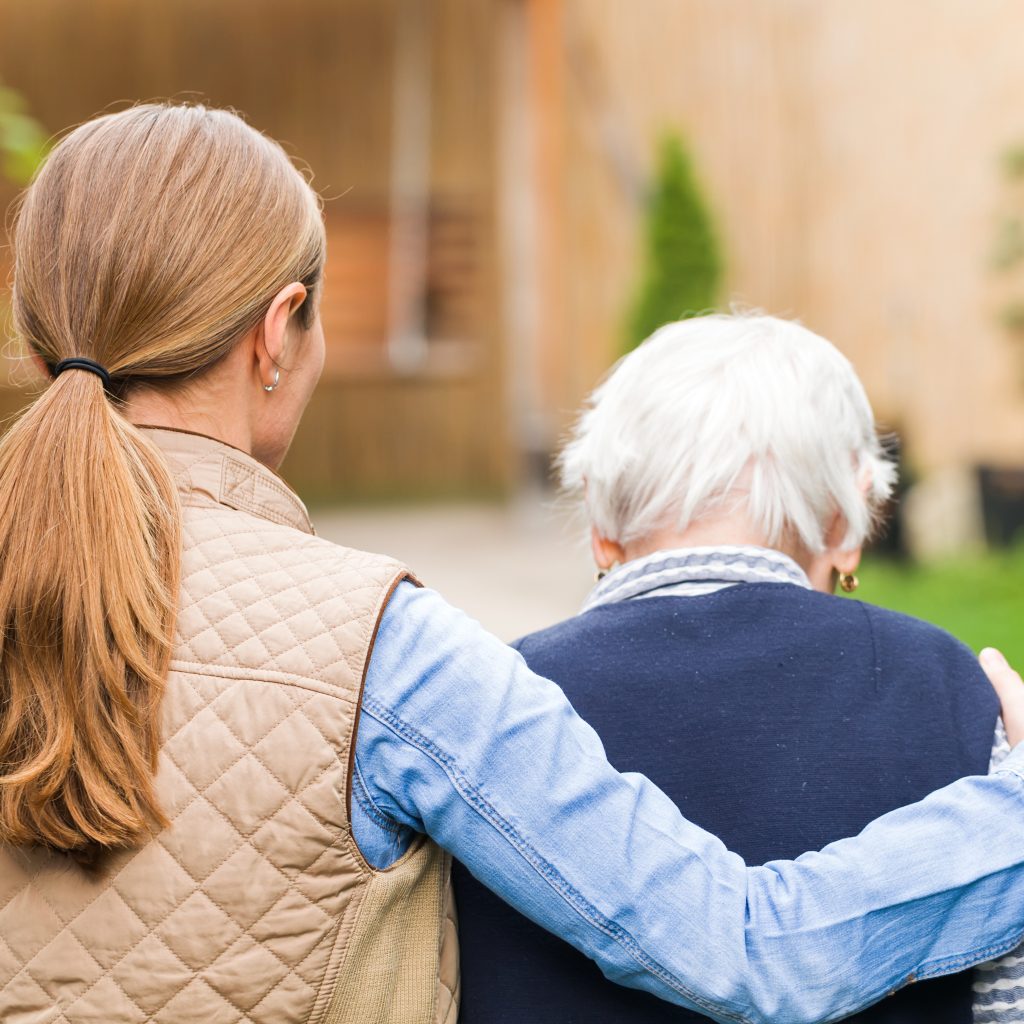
<point>1013,762</point>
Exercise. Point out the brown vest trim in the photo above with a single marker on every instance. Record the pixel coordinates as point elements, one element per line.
<point>400,578</point>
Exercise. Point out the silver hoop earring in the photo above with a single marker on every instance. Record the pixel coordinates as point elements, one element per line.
<point>277,380</point>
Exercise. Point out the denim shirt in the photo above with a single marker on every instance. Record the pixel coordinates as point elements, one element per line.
<point>460,741</point>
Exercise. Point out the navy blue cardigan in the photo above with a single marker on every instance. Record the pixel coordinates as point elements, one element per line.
<point>778,718</point>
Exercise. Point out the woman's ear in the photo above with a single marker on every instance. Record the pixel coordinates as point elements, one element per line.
<point>606,552</point>
<point>847,560</point>
<point>824,569</point>
<point>272,335</point>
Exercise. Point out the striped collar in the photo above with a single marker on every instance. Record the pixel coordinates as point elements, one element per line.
<point>689,572</point>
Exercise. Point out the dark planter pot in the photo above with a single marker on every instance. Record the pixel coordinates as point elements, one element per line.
<point>891,541</point>
<point>1002,504</point>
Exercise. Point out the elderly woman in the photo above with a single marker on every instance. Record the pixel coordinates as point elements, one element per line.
<point>731,472</point>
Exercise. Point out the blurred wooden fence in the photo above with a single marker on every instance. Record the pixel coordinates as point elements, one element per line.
<point>319,75</point>
<point>851,156</point>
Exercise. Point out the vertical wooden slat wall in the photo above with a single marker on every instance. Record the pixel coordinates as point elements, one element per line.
<point>317,74</point>
<point>851,154</point>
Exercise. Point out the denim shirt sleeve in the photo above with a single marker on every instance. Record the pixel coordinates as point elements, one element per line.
<point>459,740</point>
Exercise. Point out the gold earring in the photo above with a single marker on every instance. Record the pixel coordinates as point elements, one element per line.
<point>848,582</point>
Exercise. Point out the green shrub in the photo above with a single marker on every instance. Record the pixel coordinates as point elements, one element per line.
<point>682,261</point>
<point>22,139</point>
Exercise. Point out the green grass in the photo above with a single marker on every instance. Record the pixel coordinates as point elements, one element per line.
<point>978,599</point>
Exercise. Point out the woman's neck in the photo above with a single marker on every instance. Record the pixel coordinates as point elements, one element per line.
<point>711,534</point>
<point>210,410</point>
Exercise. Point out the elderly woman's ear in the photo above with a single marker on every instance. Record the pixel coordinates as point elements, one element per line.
<point>607,553</point>
<point>847,560</point>
<point>827,569</point>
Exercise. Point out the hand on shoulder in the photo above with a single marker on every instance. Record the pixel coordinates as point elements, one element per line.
<point>1010,689</point>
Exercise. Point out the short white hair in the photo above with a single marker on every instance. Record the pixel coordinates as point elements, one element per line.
<point>730,413</point>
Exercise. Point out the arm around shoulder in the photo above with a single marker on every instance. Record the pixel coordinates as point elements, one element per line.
<point>459,740</point>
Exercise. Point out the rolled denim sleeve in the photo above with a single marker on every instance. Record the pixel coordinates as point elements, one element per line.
<point>459,740</point>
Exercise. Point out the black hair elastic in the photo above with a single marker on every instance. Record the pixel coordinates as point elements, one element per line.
<point>81,363</point>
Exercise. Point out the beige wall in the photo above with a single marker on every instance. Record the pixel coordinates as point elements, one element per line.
<point>850,152</point>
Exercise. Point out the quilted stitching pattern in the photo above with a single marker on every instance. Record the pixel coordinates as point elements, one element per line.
<point>448,992</point>
<point>233,913</point>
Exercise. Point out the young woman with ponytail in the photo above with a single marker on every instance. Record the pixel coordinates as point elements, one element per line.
<point>130,255</point>
<point>235,759</point>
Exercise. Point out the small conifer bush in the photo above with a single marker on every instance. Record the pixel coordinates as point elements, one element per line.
<point>682,267</point>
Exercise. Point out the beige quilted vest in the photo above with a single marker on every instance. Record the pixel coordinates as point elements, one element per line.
<point>255,904</point>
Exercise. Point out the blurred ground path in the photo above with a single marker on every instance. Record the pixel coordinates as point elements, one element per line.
<point>514,567</point>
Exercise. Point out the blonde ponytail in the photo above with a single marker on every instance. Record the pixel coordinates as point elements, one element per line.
<point>89,549</point>
<point>150,242</point>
